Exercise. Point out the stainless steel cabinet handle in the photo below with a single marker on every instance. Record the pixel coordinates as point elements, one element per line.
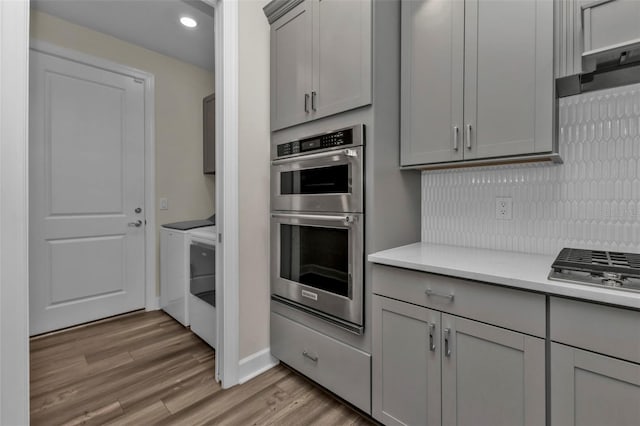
<point>456,131</point>
<point>137,224</point>
<point>314,95</point>
<point>306,102</point>
<point>469,136</point>
<point>447,346</point>
<point>432,343</point>
<point>430,293</point>
<point>345,152</point>
<point>309,356</point>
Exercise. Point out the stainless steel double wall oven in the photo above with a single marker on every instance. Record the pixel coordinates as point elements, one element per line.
<point>317,225</point>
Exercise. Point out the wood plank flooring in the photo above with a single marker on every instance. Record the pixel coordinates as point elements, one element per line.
<point>145,368</point>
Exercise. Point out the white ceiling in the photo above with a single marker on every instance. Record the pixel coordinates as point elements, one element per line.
<point>153,24</point>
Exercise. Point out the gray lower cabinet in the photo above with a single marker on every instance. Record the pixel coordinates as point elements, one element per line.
<point>406,363</point>
<point>491,376</point>
<point>593,389</point>
<point>341,368</point>
<point>460,97</point>
<point>595,364</point>
<point>320,59</point>
<point>449,351</point>
<point>432,368</point>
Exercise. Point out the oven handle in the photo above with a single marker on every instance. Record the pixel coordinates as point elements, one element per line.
<point>347,219</point>
<point>346,152</point>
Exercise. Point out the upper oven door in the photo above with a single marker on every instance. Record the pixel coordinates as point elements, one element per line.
<point>330,181</point>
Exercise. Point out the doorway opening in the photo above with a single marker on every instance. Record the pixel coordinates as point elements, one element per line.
<point>81,34</point>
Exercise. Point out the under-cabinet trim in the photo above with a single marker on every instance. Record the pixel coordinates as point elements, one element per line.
<point>553,158</point>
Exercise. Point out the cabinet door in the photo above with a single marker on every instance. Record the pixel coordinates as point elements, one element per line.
<point>406,363</point>
<point>291,46</point>
<point>432,79</point>
<point>491,376</point>
<point>209,134</point>
<point>342,56</point>
<point>508,85</point>
<point>592,389</point>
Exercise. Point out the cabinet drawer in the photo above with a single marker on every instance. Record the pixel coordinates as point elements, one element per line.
<point>505,307</point>
<point>603,329</point>
<point>342,369</point>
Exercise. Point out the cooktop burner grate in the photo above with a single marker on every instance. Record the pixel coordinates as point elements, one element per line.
<point>597,261</point>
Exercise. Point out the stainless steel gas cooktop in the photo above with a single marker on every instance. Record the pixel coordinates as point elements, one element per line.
<point>600,268</point>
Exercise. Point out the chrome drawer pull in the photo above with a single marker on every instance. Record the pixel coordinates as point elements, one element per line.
<point>311,357</point>
<point>430,293</point>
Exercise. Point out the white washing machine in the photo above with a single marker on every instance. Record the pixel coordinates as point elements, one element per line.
<point>202,283</point>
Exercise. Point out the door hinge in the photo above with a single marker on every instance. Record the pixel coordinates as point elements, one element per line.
<point>220,238</point>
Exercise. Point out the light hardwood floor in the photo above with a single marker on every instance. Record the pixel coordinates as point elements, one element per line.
<point>145,368</point>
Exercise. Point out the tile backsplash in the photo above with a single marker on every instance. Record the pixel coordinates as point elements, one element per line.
<point>590,201</point>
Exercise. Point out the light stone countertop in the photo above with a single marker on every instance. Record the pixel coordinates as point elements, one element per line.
<point>517,270</point>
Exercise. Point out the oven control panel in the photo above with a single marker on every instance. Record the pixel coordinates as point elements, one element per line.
<point>319,142</point>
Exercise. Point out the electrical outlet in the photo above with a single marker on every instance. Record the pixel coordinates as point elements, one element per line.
<point>503,208</point>
<point>164,204</point>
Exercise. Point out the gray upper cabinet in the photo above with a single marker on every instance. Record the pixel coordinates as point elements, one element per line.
<point>320,59</point>
<point>342,56</point>
<point>432,81</point>
<point>209,134</point>
<point>291,62</point>
<point>505,91</point>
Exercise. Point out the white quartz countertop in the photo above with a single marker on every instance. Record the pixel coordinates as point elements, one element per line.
<point>518,270</point>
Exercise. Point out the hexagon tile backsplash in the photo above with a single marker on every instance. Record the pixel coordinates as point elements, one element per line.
<point>590,201</point>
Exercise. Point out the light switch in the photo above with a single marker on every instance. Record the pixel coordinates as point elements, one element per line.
<point>164,204</point>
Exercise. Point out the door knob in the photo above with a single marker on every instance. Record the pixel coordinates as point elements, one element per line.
<point>137,223</point>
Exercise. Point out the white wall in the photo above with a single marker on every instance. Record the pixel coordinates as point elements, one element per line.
<point>253,158</point>
<point>179,90</point>
<point>590,201</point>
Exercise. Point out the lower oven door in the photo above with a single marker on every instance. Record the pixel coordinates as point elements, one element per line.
<point>317,262</point>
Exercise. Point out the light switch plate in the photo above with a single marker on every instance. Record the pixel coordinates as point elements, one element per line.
<point>504,208</point>
<point>164,204</point>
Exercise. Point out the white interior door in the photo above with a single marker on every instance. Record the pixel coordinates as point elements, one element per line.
<point>86,255</point>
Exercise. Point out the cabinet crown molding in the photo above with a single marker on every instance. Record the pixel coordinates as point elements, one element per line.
<point>277,8</point>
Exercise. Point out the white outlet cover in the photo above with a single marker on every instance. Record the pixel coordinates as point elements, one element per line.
<point>504,207</point>
<point>164,204</point>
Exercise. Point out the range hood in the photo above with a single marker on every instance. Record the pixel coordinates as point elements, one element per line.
<point>611,47</point>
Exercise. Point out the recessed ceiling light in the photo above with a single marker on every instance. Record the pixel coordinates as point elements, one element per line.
<point>188,22</point>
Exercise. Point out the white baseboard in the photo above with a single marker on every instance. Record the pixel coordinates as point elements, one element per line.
<point>153,304</point>
<point>255,364</point>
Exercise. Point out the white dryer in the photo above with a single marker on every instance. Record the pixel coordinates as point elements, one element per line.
<point>175,240</point>
<point>202,283</point>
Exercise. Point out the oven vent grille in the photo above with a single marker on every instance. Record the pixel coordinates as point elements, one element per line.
<point>598,261</point>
